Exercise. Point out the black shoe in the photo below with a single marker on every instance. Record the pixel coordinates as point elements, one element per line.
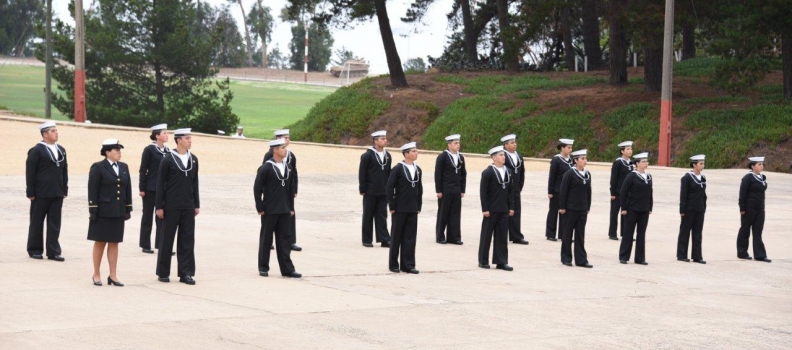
<point>394,270</point>
<point>110,282</point>
<point>456,242</point>
<point>36,256</point>
<point>567,263</point>
<point>368,245</point>
<point>747,257</point>
<point>148,251</point>
<point>56,258</point>
<point>412,270</point>
<point>296,248</point>
<point>484,266</point>
<point>504,267</point>
<point>586,265</point>
<point>385,244</point>
<point>263,273</point>
<point>623,261</point>
<point>763,259</point>
<point>95,282</point>
<point>188,280</point>
<point>441,242</point>
<point>642,263</point>
<point>685,260</point>
<point>520,241</point>
<point>293,274</point>
<point>699,261</point>
<point>552,239</point>
<point>163,279</point>
<point>612,238</point>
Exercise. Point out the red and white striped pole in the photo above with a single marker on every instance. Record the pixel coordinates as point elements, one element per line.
<point>664,152</point>
<point>305,60</point>
<point>79,63</point>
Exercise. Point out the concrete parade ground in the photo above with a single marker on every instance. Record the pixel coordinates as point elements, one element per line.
<point>347,298</point>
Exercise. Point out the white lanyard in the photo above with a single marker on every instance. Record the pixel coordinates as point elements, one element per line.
<point>626,163</point>
<point>407,173</point>
<point>384,160</point>
<point>277,173</point>
<point>645,179</point>
<point>567,161</point>
<point>583,177</point>
<point>52,156</point>
<point>518,163</point>
<point>505,179</point>
<point>700,183</point>
<point>458,164</point>
<point>189,160</point>
<point>164,151</point>
<point>759,178</point>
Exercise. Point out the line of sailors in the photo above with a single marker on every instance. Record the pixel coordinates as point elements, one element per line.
<point>169,187</point>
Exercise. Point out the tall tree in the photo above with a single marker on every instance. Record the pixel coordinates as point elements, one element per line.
<point>261,23</point>
<point>230,48</point>
<point>566,32</point>
<point>344,12</point>
<point>342,55</point>
<point>17,18</point>
<point>320,44</point>
<point>591,32</point>
<point>647,34</point>
<point>418,10</point>
<point>618,43</point>
<point>247,33</point>
<point>507,36</point>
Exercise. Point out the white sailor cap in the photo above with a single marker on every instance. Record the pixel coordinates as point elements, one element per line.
<point>159,127</point>
<point>281,132</point>
<point>46,125</point>
<point>495,150</point>
<point>756,159</point>
<point>578,153</point>
<point>220,132</point>
<point>643,155</point>
<point>508,137</point>
<point>697,157</point>
<point>379,133</point>
<point>567,141</point>
<point>407,146</point>
<point>626,144</point>
<point>109,143</point>
<point>182,132</point>
<point>277,142</point>
<point>240,127</point>
<point>453,137</point>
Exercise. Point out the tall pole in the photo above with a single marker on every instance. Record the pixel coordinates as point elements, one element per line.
<point>305,60</point>
<point>48,78</point>
<point>664,154</point>
<point>79,62</point>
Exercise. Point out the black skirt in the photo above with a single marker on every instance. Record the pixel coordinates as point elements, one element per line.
<point>110,230</point>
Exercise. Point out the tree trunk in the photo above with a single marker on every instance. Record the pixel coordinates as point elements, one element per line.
<point>591,34</point>
<point>471,40</point>
<point>618,44</point>
<point>566,32</point>
<point>484,14</point>
<point>247,35</point>
<point>688,41</point>
<point>159,87</point>
<point>397,77</point>
<point>653,69</point>
<point>510,51</point>
<point>786,62</point>
<point>263,36</point>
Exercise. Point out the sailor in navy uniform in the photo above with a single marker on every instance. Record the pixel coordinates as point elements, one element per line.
<point>752,210</point>
<point>292,161</point>
<point>178,203</point>
<point>109,205</point>
<point>149,169</point>
<point>514,161</point>
<point>404,190</point>
<point>375,167</point>
<point>574,201</point>
<point>558,167</point>
<point>636,203</point>
<point>47,184</point>
<point>497,204</point>
<point>692,206</point>
<point>622,167</point>
<point>450,181</point>
<point>275,204</point>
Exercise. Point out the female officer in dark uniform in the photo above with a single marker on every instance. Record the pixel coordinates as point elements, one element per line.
<point>637,200</point>
<point>692,206</point>
<point>149,168</point>
<point>558,167</point>
<point>752,211</point>
<point>109,205</point>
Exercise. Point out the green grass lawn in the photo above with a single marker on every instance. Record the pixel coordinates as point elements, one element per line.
<point>262,107</point>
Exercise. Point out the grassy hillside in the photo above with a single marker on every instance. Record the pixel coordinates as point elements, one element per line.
<point>262,107</point>
<point>543,107</point>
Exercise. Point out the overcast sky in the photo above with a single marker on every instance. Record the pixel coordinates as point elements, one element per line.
<point>364,40</point>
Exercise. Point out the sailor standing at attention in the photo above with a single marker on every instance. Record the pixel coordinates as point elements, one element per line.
<point>514,161</point>
<point>178,203</point>
<point>637,200</point>
<point>574,202</point>
<point>375,166</point>
<point>292,161</point>
<point>622,167</point>
<point>692,206</point>
<point>450,180</point>
<point>149,169</point>
<point>497,204</point>
<point>404,191</point>
<point>47,184</point>
<point>752,210</point>
<point>558,167</point>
